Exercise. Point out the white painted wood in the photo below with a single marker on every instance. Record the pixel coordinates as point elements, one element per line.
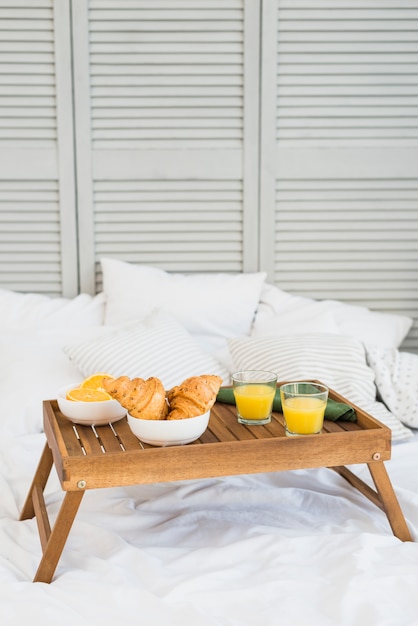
<point>251,136</point>
<point>65,140</point>
<point>161,164</point>
<point>337,162</point>
<point>339,155</point>
<point>181,224</point>
<point>268,148</point>
<point>168,97</point>
<point>37,212</point>
<point>83,146</point>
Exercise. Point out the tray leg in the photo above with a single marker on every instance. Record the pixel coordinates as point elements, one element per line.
<point>384,497</point>
<point>39,482</point>
<point>54,541</point>
<point>389,501</point>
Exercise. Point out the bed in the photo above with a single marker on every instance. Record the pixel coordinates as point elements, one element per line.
<point>292,547</point>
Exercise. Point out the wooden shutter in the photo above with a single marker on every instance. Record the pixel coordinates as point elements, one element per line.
<point>340,205</point>
<point>167,152</point>
<point>37,210</point>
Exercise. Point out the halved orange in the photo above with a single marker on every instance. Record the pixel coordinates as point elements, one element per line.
<point>95,381</point>
<point>88,395</point>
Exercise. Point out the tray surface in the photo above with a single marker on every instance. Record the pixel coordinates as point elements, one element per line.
<point>111,454</point>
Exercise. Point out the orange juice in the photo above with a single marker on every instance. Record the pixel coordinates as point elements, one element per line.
<point>304,415</point>
<point>254,401</point>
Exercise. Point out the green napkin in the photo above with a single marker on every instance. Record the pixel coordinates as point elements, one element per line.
<point>334,410</point>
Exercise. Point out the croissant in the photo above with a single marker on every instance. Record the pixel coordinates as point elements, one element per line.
<point>195,396</point>
<point>122,389</point>
<point>144,399</point>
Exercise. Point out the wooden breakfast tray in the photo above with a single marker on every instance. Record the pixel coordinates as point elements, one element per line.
<point>87,457</point>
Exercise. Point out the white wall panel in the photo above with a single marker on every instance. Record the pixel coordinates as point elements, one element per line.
<point>168,133</point>
<point>340,204</point>
<point>37,199</point>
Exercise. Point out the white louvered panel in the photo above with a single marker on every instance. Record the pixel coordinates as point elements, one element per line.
<point>183,226</point>
<point>339,211</point>
<point>355,241</point>
<point>37,212</point>
<point>364,234</point>
<point>346,72</point>
<point>27,75</point>
<point>167,152</point>
<point>166,74</point>
<point>30,256</point>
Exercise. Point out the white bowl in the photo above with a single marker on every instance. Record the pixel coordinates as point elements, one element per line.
<point>89,413</point>
<point>169,432</point>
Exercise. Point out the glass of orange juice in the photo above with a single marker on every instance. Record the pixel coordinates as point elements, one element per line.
<point>254,392</point>
<point>303,406</point>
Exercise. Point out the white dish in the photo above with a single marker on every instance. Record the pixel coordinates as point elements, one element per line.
<point>89,413</point>
<point>169,432</point>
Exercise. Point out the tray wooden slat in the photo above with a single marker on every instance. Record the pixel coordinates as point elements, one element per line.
<point>107,438</point>
<point>126,436</point>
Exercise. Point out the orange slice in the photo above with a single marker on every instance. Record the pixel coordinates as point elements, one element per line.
<point>95,381</point>
<point>88,395</point>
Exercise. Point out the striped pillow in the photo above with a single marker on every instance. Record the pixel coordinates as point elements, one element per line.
<point>157,346</point>
<point>336,360</point>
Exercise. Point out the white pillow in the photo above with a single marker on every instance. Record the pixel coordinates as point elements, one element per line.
<point>158,346</point>
<point>20,311</point>
<point>397,381</point>
<point>212,307</point>
<point>33,367</point>
<point>337,361</point>
<point>298,321</point>
<point>284,313</point>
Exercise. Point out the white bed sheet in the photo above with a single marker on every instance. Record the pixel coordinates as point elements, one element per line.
<point>291,548</point>
<point>286,548</point>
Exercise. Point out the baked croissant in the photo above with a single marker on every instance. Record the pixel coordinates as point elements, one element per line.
<point>195,396</point>
<point>144,399</point>
<point>122,389</point>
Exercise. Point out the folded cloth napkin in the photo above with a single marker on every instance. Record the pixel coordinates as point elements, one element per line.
<point>334,410</point>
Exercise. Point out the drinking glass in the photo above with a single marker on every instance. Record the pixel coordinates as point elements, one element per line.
<point>303,407</point>
<point>254,392</point>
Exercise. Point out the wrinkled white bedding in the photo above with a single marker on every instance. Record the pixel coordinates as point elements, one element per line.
<point>290,548</point>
